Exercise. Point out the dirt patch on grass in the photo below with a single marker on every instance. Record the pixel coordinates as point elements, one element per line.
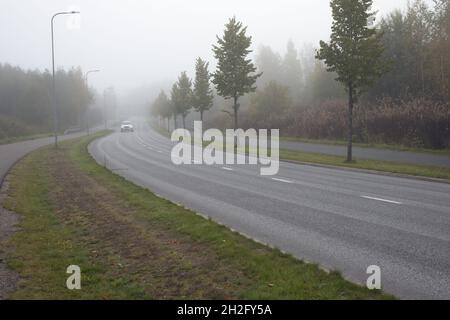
<point>164,265</point>
<point>8,222</point>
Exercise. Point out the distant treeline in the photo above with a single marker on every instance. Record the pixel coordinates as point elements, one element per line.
<point>409,105</point>
<point>416,47</point>
<point>25,106</point>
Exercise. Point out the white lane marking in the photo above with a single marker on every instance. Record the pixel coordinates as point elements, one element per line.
<point>228,169</point>
<point>380,199</point>
<point>141,142</point>
<point>282,180</point>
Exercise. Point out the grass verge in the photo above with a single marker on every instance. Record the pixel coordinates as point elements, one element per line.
<point>132,244</point>
<point>382,166</point>
<point>376,165</point>
<point>442,152</point>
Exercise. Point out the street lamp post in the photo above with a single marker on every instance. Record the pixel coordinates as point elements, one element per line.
<point>55,111</point>
<point>104,110</point>
<point>87,85</point>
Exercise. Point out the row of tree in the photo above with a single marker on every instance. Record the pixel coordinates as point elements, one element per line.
<point>25,101</point>
<point>25,96</point>
<point>185,96</point>
<point>404,58</point>
<point>417,42</point>
<point>234,77</point>
<point>416,48</point>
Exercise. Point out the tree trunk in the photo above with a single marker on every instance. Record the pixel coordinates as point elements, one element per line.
<point>168,125</point>
<point>174,122</point>
<point>184,122</point>
<point>422,77</point>
<point>201,115</point>
<point>350,123</point>
<point>235,108</point>
<point>442,78</point>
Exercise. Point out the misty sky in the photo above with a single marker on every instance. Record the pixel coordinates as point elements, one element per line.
<point>136,42</point>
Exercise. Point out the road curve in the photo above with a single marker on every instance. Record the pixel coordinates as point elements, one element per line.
<point>11,153</point>
<point>340,219</point>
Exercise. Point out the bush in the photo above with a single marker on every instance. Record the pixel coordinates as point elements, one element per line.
<point>13,128</point>
<point>417,123</point>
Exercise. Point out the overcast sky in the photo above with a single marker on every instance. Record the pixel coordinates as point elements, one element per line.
<point>136,42</point>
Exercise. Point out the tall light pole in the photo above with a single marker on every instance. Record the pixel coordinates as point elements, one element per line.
<point>87,85</point>
<point>55,111</point>
<point>105,118</point>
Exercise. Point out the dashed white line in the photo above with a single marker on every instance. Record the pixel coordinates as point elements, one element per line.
<point>139,140</point>
<point>282,180</point>
<point>380,199</point>
<point>226,168</point>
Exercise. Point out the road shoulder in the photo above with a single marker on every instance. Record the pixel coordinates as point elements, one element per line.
<point>8,226</point>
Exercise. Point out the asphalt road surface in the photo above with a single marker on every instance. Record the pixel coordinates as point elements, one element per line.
<point>371,153</point>
<point>343,220</point>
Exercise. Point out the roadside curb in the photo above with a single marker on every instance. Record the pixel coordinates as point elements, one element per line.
<point>368,171</point>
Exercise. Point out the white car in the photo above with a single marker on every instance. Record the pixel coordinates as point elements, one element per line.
<point>126,126</point>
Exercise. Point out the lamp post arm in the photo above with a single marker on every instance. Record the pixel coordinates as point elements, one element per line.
<point>53,98</point>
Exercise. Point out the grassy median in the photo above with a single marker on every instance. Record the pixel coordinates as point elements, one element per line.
<point>382,146</point>
<point>131,244</point>
<point>376,165</point>
<point>366,164</point>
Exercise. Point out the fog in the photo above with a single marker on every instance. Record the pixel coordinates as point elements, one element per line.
<point>139,43</point>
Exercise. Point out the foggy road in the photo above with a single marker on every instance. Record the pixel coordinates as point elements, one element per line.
<point>340,219</point>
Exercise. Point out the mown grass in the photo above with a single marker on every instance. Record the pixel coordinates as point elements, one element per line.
<point>395,147</point>
<point>45,246</point>
<point>382,166</point>
<point>338,161</point>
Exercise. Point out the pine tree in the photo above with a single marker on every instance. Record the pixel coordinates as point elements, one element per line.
<point>354,52</point>
<point>174,103</point>
<point>292,70</point>
<point>270,64</point>
<point>161,107</point>
<point>235,74</point>
<point>202,98</point>
<point>184,96</point>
